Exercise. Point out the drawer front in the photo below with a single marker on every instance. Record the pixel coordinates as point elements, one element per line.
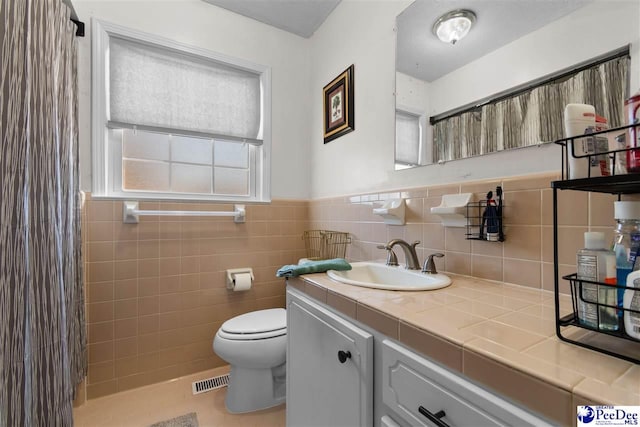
<point>411,382</point>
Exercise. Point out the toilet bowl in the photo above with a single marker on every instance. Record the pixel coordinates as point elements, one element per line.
<point>255,345</point>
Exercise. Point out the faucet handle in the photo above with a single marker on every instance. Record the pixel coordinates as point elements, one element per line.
<point>392,259</point>
<point>430,265</point>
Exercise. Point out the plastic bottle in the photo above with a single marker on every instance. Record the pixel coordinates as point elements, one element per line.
<point>632,302</point>
<point>580,119</point>
<point>632,108</point>
<point>592,264</point>
<point>626,240</point>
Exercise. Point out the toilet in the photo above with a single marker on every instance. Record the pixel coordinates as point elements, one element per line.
<point>255,346</point>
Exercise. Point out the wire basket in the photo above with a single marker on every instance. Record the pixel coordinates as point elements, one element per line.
<point>325,244</point>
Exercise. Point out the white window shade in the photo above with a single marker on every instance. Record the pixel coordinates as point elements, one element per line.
<point>166,89</point>
<point>408,138</point>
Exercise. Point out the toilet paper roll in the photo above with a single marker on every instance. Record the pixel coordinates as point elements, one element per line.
<point>241,282</point>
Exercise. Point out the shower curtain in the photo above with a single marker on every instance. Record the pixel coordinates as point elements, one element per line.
<point>42,336</point>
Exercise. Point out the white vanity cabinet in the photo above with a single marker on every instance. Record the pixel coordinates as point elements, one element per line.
<point>329,367</point>
<point>421,393</point>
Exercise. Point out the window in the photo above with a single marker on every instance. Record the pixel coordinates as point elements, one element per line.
<point>176,122</point>
<point>409,138</point>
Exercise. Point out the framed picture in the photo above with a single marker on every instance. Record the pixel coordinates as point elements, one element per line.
<point>338,106</point>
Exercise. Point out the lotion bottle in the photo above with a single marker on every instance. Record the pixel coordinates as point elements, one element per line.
<point>592,263</point>
<point>631,301</point>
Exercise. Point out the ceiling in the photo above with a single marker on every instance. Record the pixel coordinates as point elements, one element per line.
<point>301,17</point>
<point>420,54</point>
<point>498,23</point>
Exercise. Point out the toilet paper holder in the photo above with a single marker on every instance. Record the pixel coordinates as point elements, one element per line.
<point>231,273</point>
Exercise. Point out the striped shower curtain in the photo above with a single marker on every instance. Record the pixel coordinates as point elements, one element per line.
<point>42,336</point>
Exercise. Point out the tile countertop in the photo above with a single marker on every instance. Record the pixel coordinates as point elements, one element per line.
<point>500,335</point>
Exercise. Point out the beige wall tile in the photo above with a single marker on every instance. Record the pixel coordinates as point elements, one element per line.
<point>531,182</point>
<point>126,288</point>
<point>433,236</point>
<point>481,247</point>
<point>456,241</point>
<point>570,240</point>
<point>572,207</point>
<point>523,242</point>
<point>99,231</point>
<point>522,207</point>
<point>126,308</point>
<point>524,273</point>
<point>458,263</point>
<point>100,271</point>
<point>486,267</point>
<point>100,312</point>
<point>100,291</point>
<point>601,210</point>
<point>126,250</point>
<point>100,332</point>
<point>100,251</point>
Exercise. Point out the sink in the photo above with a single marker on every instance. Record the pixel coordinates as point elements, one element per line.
<point>380,276</point>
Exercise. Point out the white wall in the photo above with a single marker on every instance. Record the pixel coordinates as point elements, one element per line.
<point>203,25</point>
<point>598,28</point>
<point>361,32</point>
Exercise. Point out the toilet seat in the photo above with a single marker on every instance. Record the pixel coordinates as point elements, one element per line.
<point>257,325</point>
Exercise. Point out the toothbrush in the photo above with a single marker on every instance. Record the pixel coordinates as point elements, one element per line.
<point>484,216</point>
<point>500,231</point>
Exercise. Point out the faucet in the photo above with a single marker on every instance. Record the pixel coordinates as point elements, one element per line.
<point>410,255</point>
<point>429,265</point>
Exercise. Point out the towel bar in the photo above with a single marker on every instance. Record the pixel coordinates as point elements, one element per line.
<point>131,213</point>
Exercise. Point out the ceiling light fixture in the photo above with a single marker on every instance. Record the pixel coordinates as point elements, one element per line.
<point>454,25</point>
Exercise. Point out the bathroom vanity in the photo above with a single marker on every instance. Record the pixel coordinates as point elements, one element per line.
<point>413,356</point>
<point>332,380</point>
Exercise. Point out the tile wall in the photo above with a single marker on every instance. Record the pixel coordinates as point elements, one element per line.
<point>156,291</point>
<point>526,256</point>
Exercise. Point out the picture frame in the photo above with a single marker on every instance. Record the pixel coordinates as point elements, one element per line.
<point>338,106</point>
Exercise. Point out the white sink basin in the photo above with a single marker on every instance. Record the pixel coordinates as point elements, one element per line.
<point>380,276</point>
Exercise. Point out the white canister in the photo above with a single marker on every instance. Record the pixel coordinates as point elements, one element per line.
<point>580,119</point>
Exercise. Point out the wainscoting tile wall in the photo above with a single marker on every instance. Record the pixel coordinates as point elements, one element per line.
<point>156,291</point>
<point>525,258</point>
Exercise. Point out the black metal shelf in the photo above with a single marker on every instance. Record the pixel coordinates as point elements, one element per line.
<point>617,184</point>
<point>568,327</point>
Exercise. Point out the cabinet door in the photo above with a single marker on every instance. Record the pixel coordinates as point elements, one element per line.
<point>417,389</point>
<point>323,390</point>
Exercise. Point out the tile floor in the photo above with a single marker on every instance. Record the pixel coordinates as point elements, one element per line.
<point>147,405</point>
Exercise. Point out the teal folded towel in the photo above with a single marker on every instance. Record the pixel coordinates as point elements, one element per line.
<point>313,267</point>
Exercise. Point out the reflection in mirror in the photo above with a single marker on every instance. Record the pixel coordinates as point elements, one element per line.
<point>513,46</point>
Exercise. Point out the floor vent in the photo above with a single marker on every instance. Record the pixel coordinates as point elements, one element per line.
<point>209,384</point>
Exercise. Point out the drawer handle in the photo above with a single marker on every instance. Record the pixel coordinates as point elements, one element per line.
<point>343,356</point>
<point>434,418</point>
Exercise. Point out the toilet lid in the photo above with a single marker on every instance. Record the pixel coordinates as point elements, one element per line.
<point>271,322</point>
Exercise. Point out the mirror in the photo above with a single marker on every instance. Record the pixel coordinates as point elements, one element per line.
<point>511,43</point>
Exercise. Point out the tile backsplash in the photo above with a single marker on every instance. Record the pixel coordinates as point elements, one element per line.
<point>526,256</point>
<point>156,291</point>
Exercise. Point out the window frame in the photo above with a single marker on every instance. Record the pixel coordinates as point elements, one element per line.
<point>421,117</point>
<point>103,156</point>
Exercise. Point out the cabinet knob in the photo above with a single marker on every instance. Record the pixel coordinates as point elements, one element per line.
<point>434,418</point>
<point>343,356</point>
